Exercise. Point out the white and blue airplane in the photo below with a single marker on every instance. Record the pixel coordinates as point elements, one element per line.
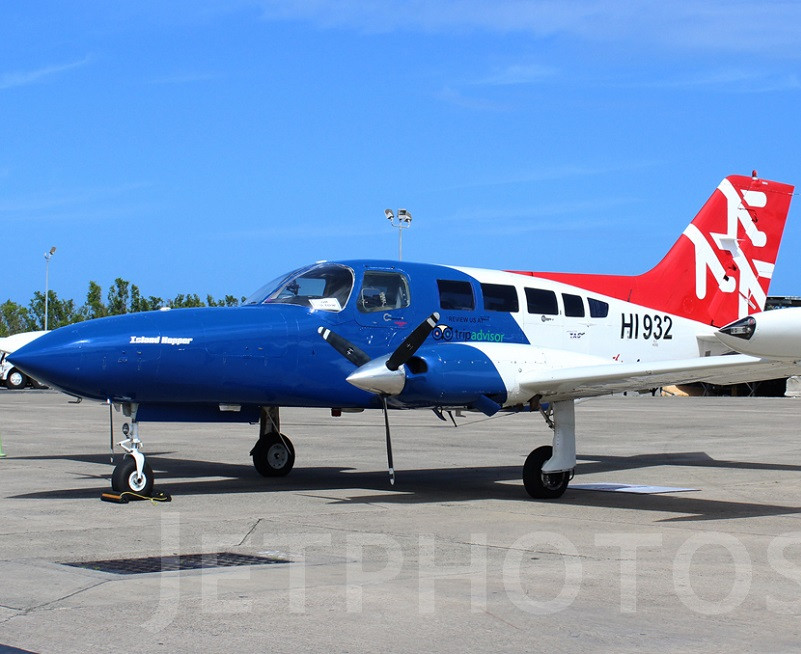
<point>365,334</point>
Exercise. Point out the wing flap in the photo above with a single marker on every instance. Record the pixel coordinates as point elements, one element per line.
<point>588,381</point>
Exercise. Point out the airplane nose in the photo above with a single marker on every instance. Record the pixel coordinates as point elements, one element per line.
<point>53,358</point>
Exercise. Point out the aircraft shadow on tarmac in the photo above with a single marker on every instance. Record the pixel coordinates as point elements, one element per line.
<point>191,477</point>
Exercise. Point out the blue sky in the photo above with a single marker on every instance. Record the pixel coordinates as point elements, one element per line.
<point>208,146</point>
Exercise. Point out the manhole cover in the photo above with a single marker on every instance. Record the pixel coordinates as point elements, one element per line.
<point>178,562</point>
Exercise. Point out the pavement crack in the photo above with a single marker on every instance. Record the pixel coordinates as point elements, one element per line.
<point>250,531</point>
<point>50,603</point>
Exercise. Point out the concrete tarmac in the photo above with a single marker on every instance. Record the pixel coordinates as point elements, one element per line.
<point>453,558</point>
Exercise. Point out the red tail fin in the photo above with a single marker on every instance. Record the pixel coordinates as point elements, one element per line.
<point>720,268</point>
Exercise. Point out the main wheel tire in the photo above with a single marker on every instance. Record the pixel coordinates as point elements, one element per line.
<point>125,480</point>
<point>274,456</point>
<point>16,380</point>
<point>539,485</point>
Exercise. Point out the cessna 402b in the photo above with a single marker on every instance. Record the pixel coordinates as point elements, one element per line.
<point>378,334</point>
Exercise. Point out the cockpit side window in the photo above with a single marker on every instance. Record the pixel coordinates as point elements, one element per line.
<point>383,291</point>
<point>325,287</point>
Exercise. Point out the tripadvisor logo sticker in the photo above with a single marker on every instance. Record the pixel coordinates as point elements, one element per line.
<point>447,333</point>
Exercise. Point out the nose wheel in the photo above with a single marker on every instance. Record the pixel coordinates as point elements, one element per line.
<point>126,478</point>
<point>133,474</point>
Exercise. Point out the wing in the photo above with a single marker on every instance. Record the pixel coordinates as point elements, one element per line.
<point>587,381</point>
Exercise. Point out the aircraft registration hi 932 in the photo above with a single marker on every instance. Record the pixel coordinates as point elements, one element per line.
<point>368,334</point>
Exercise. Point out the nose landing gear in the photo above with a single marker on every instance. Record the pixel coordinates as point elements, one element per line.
<point>133,474</point>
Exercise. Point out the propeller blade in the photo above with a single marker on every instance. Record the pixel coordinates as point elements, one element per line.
<point>389,441</point>
<point>412,342</point>
<point>347,349</point>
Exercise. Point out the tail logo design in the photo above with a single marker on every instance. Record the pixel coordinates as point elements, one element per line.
<point>726,261</point>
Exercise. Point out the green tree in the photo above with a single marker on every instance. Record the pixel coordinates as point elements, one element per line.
<point>119,297</point>
<point>227,301</point>
<point>60,312</point>
<point>123,297</point>
<point>94,307</point>
<point>155,303</point>
<point>138,303</point>
<point>186,301</point>
<point>14,318</point>
<point>141,303</point>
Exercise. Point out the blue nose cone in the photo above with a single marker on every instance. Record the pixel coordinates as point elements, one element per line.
<point>85,359</point>
<point>54,358</point>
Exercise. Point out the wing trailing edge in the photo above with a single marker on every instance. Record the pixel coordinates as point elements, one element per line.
<point>588,381</point>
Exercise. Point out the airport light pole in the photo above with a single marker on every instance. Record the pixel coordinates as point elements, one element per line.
<point>403,221</point>
<point>47,257</point>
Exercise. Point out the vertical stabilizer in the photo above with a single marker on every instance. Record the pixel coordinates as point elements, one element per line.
<point>720,268</point>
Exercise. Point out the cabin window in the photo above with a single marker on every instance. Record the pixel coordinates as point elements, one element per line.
<point>574,305</point>
<point>541,301</point>
<point>499,297</point>
<point>383,291</point>
<point>598,308</point>
<point>456,296</point>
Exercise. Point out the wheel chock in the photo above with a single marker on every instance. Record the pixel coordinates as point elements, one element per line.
<point>128,496</point>
<point>117,498</point>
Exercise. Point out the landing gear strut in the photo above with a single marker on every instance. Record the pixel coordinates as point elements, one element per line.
<point>549,469</point>
<point>273,454</point>
<point>133,474</point>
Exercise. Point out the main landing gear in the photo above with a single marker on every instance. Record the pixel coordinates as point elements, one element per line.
<point>549,469</point>
<point>273,454</point>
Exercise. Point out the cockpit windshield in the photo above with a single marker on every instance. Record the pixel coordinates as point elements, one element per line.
<point>323,286</point>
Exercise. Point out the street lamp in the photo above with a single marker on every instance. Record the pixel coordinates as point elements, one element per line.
<point>404,221</point>
<point>47,275</point>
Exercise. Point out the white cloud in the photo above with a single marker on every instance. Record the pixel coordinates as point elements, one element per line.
<point>519,74</point>
<point>456,97</point>
<point>769,27</point>
<point>732,80</point>
<point>185,78</point>
<point>572,215</point>
<point>78,204</point>
<point>28,77</point>
<point>552,174</point>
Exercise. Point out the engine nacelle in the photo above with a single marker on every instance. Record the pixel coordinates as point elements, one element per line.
<point>770,334</point>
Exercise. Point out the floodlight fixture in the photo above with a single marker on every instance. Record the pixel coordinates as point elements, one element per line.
<point>402,222</point>
<point>47,257</point>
